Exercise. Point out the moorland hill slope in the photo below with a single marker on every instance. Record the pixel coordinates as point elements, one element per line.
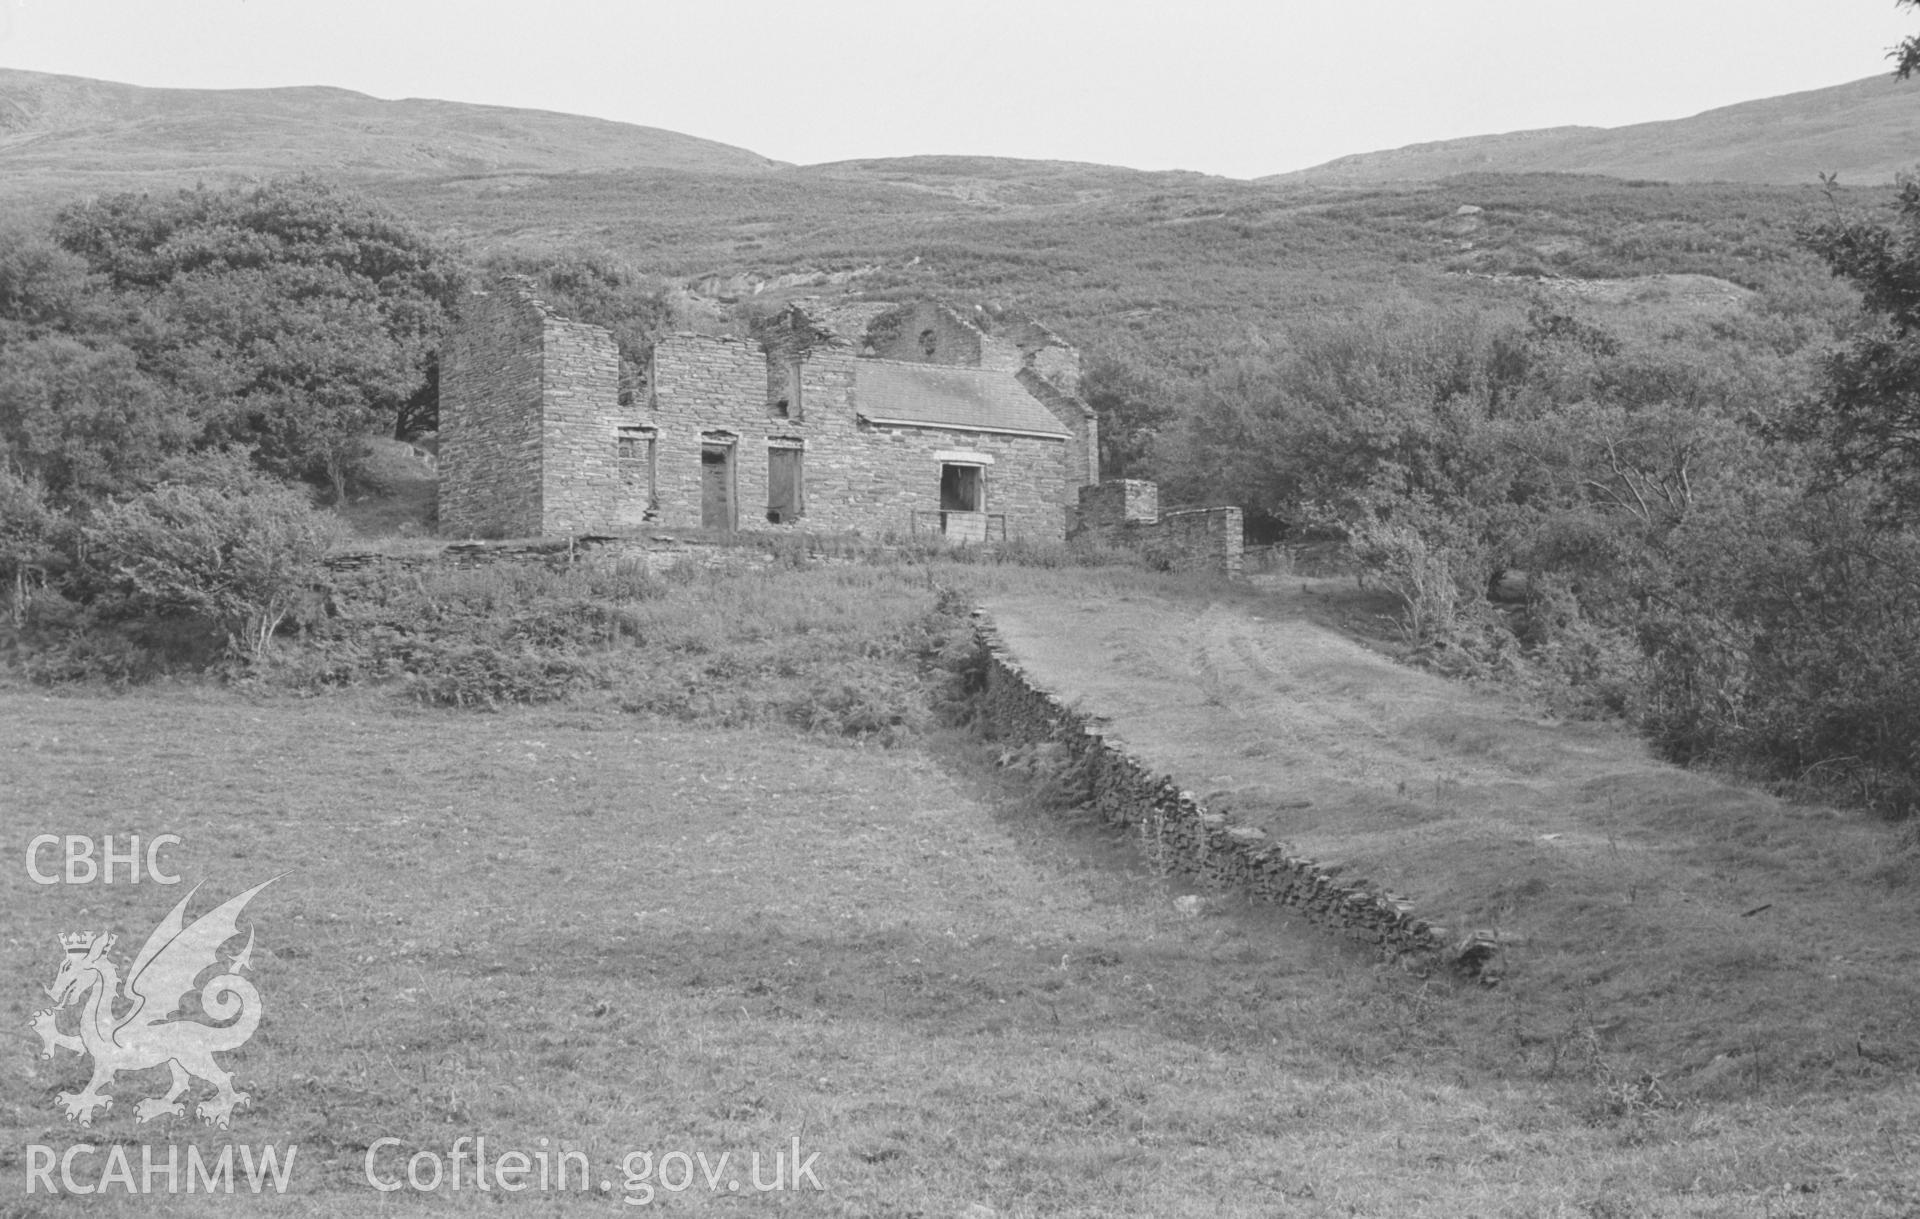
<point>71,129</point>
<point>1172,271</point>
<point>1866,131</point>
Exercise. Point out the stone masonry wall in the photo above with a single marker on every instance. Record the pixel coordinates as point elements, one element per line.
<point>1126,512</point>
<point>899,471</point>
<point>1058,364</point>
<point>1083,433</point>
<point>906,335</point>
<point>856,477</point>
<point>490,385</point>
<point>1181,834</point>
<point>717,388</point>
<point>1199,539</point>
<point>532,427</point>
<point>1048,369</point>
<point>1118,502</point>
<point>1044,351</point>
<point>1003,354</point>
<point>580,476</point>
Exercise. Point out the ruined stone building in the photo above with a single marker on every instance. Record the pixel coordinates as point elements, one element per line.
<point>873,418</point>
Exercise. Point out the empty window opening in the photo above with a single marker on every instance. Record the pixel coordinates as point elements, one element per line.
<point>636,378</point>
<point>963,488</point>
<point>635,451</point>
<point>783,388</point>
<point>786,494</point>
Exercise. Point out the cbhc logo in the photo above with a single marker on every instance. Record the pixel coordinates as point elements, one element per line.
<point>82,868</point>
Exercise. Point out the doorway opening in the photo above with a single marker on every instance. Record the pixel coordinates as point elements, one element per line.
<point>716,487</point>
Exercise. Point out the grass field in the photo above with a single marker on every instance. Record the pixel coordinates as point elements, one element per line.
<point>621,934</point>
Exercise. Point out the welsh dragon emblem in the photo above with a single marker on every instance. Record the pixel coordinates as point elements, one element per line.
<point>145,1034</point>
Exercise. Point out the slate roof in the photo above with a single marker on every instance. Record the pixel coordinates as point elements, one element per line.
<point>938,395</point>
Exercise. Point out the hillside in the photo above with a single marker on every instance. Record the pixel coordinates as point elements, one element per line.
<point>1866,131</point>
<point>1008,181</point>
<point>1176,267</point>
<point>60,131</point>
<point>1172,266</point>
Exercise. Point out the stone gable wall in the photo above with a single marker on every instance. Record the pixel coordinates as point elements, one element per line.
<point>1083,428</point>
<point>1044,351</point>
<point>581,417</point>
<point>996,352</point>
<point>897,336</point>
<point>490,435</point>
<point>1059,365</point>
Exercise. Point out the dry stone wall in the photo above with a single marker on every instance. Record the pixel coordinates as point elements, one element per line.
<point>1177,830</point>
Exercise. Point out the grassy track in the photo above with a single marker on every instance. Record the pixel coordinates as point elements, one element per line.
<point>1728,942</point>
<point>616,935</point>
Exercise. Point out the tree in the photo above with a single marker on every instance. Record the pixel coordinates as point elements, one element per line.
<point>1906,56</point>
<point>297,317</point>
<point>1132,406</point>
<point>78,417</point>
<point>1867,415</point>
<point>43,288</point>
<point>83,421</point>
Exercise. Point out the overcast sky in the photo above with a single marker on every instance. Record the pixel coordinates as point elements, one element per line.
<point>1236,87</point>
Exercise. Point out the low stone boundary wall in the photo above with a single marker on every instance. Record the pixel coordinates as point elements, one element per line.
<point>1195,539</point>
<point>657,554</point>
<point>1177,831</point>
<point>1126,512</point>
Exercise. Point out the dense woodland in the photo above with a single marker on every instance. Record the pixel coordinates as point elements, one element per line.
<point>1653,449</point>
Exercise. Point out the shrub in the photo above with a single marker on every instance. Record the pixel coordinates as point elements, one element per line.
<point>217,540</point>
<point>488,678</point>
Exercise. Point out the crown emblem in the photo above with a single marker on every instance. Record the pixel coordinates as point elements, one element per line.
<point>77,942</point>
